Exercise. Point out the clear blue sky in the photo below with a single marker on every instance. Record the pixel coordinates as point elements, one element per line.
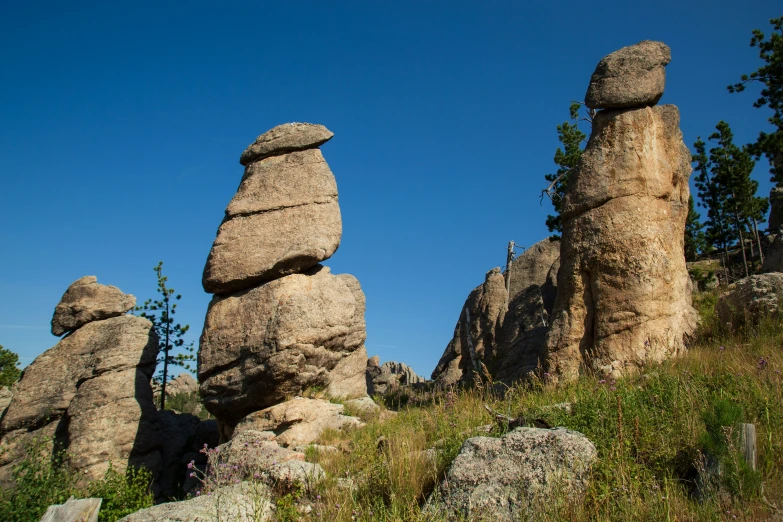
<point>121,126</point>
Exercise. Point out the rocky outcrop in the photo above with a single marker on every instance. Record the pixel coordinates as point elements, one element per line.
<point>623,288</point>
<point>243,502</point>
<point>773,256</point>
<point>91,394</point>
<point>5,398</point>
<point>633,76</point>
<point>750,299</point>
<point>285,138</point>
<point>182,383</point>
<point>480,317</point>
<point>389,376</point>
<point>516,476</point>
<point>537,265</point>
<point>86,300</point>
<point>297,421</point>
<point>182,436</point>
<point>776,209</point>
<point>280,323</point>
<point>283,219</point>
<point>277,339</point>
<point>507,331</point>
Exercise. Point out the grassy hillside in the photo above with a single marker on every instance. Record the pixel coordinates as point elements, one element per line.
<point>650,431</point>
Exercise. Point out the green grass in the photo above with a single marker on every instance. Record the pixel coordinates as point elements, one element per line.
<point>650,431</point>
<point>42,480</point>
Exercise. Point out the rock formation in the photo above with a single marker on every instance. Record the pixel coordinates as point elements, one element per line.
<point>86,300</point>
<point>632,77</point>
<point>750,299</point>
<point>474,339</point>
<point>509,478</point>
<point>507,331</point>
<point>284,217</point>
<point>383,378</point>
<point>298,421</point>
<point>281,323</point>
<point>91,392</point>
<point>776,209</point>
<point>623,289</point>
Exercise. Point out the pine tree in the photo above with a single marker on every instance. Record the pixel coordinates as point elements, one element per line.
<point>727,190</point>
<point>566,158</point>
<point>694,237</point>
<point>770,75</point>
<point>170,335</point>
<point>717,233</point>
<point>9,367</point>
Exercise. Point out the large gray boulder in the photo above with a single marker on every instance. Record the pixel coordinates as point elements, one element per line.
<point>633,76</point>
<point>243,502</point>
<point>86,300</point>
<point>283,219</point>
<point>92,392</point>
<point>298,421</point>
<point>513,477</point>
<point>287,137</point>
<point>751,298</point>
<point>274,341</point>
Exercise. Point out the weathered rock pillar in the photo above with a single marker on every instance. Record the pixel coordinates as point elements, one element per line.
<point>280,323</point>
<point>623,289</point>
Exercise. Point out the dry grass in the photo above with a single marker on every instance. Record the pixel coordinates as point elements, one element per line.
<point>648,430</point>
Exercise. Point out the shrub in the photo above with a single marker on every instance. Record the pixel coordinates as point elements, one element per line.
<point>43,478</point>
<point>122,494</point>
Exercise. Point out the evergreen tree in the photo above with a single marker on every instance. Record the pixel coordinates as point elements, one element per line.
<point>717,234</point>
<point>9,367</point>
<point>727,190</point>
<point>770,75</point>
<point>566,158</point>
<point>170,335</point>
<point>694,237</point>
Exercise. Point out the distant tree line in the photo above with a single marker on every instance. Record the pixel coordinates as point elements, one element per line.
<point>722,169</point>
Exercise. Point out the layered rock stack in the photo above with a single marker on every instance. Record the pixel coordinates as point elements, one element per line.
<point>623,289</point>
<point>90,394</point>
<point>280,323</point>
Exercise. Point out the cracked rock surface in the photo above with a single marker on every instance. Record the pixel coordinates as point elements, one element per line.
<point>284,219</point>
<point>623,288</point>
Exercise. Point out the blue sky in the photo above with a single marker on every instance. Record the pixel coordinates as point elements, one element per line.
<point>122,125</point>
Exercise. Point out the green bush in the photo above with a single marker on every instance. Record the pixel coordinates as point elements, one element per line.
<point>122,494</point>
<point>721,440</point>
<point>43,478</point>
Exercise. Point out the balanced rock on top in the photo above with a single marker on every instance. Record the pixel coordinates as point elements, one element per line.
<point>623,297</point>
<point>284,217</point>
<point>633,76</point>
<point>286,138</point>
<point>86,300</point>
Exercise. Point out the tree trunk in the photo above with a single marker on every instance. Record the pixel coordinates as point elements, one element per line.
<point>165,360</point>
<point>758,240</point>
<point>742,244</point>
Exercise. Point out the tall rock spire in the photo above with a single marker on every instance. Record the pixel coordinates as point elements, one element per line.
<point>623,288</point>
